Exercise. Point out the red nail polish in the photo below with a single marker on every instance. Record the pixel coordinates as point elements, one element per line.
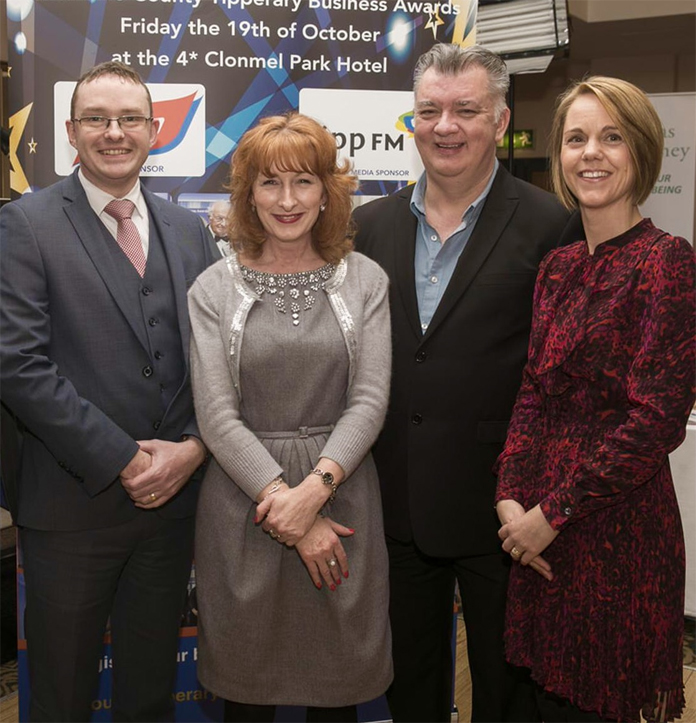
<point>338,582</point>
<point>351,529</point>
<point>318,585</point>
<point>332,587</point>
<point>345,574</point>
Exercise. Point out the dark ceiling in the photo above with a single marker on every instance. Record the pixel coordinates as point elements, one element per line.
<point>625,38</point>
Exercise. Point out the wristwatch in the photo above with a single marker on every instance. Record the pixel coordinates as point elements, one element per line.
<point>328,479</point>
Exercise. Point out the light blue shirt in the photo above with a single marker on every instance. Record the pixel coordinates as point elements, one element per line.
<point>435,261</point>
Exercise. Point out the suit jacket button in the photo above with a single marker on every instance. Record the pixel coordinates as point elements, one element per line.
<point>156,425</point>
<point>421,356</point>
<point>416,418</point>
<point>158,355</point>
<point>147,371</point>
<point>153,321</point>
<point>146,290</point>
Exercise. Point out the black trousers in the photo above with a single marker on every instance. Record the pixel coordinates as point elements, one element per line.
<point>249,713</point>
<point>420,609</point>
<point>136,573</point>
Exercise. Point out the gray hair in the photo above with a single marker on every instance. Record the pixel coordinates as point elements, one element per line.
<point>451,59</point>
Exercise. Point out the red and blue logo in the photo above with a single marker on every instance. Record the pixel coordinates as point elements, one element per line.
<point>179,150</point>
<point>175,117</point>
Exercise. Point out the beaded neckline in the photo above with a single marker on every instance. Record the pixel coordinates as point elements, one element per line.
<point>290,292</point>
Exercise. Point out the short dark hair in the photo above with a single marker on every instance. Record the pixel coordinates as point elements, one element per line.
<point>110,67</point>
<point>451,59</point>
<point>292,142</point>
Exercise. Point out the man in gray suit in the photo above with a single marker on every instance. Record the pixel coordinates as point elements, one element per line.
<point>94,334</point>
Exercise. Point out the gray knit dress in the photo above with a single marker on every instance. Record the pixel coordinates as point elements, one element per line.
<point>277,388</point>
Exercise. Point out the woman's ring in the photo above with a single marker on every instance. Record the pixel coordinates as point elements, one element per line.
<point>332,562</point>
<point>153,496</point>
<point>274,535</point>
<point>516,554</point>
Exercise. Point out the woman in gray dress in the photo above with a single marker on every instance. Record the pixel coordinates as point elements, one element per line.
<point>290,365</point>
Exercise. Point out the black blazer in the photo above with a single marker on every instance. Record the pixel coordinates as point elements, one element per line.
<point>73,357</point>
<point>453,388</point>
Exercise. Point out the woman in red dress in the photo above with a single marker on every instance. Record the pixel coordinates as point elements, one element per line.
<point>585,494</point>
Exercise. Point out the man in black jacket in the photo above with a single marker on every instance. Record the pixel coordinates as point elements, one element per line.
<point>461,248</point>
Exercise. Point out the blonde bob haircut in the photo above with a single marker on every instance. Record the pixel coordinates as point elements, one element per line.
<point>292,142</point>
<point>636,119</point>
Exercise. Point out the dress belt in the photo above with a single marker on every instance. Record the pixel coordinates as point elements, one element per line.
<point>300,433</point>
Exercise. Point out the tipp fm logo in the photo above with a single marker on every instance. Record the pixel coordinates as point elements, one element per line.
<point>180,146</point>
<point>405,123</point>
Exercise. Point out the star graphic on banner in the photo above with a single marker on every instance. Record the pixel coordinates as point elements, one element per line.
<point>18,122</point>
<point>434,21</point>
<point>32,146</point>
<point>193,55</point>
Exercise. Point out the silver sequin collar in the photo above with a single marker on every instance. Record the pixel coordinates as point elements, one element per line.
<point>290,292</point>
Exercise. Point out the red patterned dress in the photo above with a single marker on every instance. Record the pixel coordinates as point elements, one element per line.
<point>604,399</point>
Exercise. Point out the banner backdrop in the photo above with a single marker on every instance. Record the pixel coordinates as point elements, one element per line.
<point>671,203</point>
<point>214,67</point>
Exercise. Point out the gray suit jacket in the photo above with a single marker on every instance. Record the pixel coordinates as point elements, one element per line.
<point>74,357</point>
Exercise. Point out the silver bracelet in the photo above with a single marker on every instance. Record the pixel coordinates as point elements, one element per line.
<point>276,486</point>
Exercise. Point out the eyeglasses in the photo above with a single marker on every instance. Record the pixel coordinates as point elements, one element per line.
<point>125,122</point>
<point>215,217</point>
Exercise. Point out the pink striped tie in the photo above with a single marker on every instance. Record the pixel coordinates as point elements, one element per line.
<point>127,235</point>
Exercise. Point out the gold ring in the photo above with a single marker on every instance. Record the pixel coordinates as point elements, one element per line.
<point>274,535</point>
<point>153,496</point>
<point>516,553</point>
